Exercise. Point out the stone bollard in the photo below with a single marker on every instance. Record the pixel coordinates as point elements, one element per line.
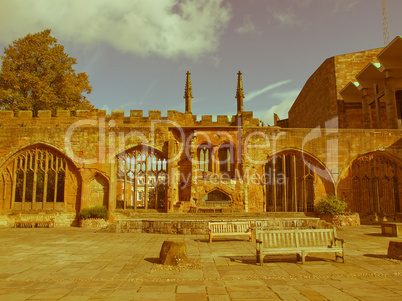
<point>173,252</point>
<point>395,250</point>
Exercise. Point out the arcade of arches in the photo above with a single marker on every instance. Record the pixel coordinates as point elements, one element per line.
<point>329,145</point>
<point>41,178</point>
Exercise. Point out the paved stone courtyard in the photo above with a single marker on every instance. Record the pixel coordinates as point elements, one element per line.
<point>83,264</point>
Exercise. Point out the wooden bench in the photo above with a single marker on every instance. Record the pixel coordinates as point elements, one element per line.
<point>298,241</point>
<point>34,220</point>
<point>230,228</point>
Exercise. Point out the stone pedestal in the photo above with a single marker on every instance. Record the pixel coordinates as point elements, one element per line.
<point>173,252</point>
<point>395,250</point>
<point>391,229</point>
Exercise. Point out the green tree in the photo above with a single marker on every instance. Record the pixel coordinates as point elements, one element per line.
<point>36,74</point>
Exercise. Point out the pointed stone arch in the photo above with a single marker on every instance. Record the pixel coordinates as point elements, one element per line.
<point>142,179</point>
<point>295,181</point>
<point>216,197</point>
<point>39,177</point>
<point>379,189</point>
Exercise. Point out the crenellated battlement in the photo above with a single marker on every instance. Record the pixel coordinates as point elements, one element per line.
<point>135,117</point>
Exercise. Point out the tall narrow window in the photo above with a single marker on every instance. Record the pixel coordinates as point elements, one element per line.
<point>204,155</point>
<point>225,158</point>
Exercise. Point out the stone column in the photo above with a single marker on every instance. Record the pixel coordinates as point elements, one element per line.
<point>86,176</point>
<point>367,120</point>
<point>390,101</point>
<point>112,187</point>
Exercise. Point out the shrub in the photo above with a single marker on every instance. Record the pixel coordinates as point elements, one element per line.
<point>331,205</point>
<point>98,211</point>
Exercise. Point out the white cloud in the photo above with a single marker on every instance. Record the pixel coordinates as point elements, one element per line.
<point>342,6</point>
<point>167,28</point>
<point>247,26</point>
<point>280,109</point>
<point>253,94</point>
<point>286,17</point>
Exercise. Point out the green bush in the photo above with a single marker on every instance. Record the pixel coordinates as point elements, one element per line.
<point>98,211</point>
<point>331,205</point>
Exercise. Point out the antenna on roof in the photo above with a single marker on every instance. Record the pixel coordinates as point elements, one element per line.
<point>385,22</point>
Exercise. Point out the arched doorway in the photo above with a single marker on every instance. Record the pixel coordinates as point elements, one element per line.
<point>142,179</point>
<point>39,178</point>
<point>294,181</point>
<point>371,184</point>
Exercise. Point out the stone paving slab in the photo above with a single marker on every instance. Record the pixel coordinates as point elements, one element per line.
<point>84,264</point>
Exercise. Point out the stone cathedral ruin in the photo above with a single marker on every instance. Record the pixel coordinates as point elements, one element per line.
<point>343,137</point>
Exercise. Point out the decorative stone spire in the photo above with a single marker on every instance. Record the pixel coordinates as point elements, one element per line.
<point>188,92</point>
<point>239,93</point>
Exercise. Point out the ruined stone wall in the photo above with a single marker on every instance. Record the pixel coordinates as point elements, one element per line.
<point>91,142</point>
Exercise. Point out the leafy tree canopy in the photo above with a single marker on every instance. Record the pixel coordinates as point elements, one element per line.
<point>36,74</point>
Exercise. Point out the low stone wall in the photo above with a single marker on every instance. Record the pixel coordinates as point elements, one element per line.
<point>342,220</point>
<point>201,226</point>
<point>61,219</point>
<point>93,223</point>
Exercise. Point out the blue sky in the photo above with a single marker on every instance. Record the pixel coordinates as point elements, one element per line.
<point>136,52</point>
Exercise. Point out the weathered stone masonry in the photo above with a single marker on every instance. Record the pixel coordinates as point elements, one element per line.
<point>178,163</point>
<point>92,161</point>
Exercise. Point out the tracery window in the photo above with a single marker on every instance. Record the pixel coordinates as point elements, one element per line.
<point>142,173</point>
<point>290,180</point>
<point>204,157</point>
<point>36,179</point>
<point>379,185</point>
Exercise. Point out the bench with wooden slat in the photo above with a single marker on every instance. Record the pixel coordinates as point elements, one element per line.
<point>298,241</point>
<point>34,220</point>
<point>230,228</point>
